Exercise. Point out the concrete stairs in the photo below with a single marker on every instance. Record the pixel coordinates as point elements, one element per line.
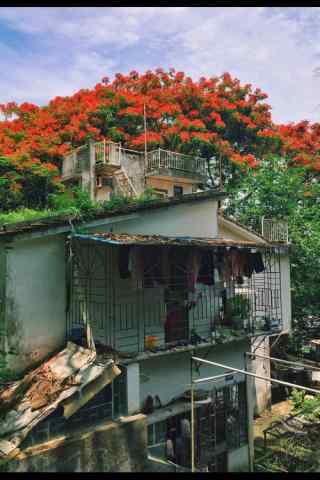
<point>123,183</point>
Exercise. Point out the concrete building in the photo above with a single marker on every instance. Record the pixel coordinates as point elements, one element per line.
<point>105,168</point>
<point>149,286</point>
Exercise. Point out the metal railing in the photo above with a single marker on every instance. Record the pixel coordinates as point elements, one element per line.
<point>275,230</point>
<point>107,153</point>
<point>165,159</point>
<point>140,325</point>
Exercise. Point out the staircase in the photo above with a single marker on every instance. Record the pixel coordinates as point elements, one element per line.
<point>123,183</point>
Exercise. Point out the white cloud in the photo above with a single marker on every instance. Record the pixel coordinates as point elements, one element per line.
<point>275,48</point>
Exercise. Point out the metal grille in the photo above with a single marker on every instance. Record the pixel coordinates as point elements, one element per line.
<point>275,230</point>
<point>154,312</point>
<point>220,425</point>
<point>165,159</point>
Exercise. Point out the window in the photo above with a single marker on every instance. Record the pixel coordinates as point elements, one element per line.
<point>170,439</point>
<point>177,191</point>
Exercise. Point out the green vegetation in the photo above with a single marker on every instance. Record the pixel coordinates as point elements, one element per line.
<point>306,405</point>
<point>278,190</point>
<point>77,204</point>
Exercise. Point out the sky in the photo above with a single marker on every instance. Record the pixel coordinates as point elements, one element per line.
<point>50,51</point>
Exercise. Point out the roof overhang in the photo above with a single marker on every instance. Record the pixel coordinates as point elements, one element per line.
<point>160,240</point>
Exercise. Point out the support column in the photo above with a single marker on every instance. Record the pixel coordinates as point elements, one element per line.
<point>133,388</point>
<point>250,411</point>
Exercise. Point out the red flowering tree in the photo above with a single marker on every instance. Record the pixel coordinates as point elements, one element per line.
<point>213,117</point>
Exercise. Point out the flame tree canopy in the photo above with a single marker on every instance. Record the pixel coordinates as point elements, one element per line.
<point>213,117</point>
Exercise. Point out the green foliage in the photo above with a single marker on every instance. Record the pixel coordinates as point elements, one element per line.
<point>297,398</point>
<point>239,306</point>
<point>306,405</point>
<point>77,204</point>
<point>26,184</point>
<point>277,190</point>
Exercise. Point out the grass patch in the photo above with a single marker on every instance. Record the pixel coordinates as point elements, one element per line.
<point>76,204</point>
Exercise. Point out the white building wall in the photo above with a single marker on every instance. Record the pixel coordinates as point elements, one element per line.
<point>198,219</point>
<point>286,292</point>
<point>35,299</point>
<point>169,376</point>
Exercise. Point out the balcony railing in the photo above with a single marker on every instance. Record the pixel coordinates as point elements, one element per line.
<point>109,154</point>
<point>275,230</point>
<point>141,324</point>
<point>181,164</point>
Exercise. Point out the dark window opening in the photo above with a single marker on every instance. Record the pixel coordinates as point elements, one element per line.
<point>177,191</point>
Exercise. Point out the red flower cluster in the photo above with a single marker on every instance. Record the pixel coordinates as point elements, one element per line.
<point>216,115</point>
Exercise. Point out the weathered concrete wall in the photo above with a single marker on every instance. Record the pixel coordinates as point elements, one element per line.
<point>198,219</point>
<point>168,184</point>
<point>286,292</point>
<point>35,299</point>
<point>111,447</point>
<point>159,378</point>
<point>261,366</point>
<point>133,164</point>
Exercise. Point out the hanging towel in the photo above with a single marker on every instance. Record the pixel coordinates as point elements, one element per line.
<point>136,263</point>
<point>258,262</point>
<point>206,272</point>
<point>123,261</point>
<point>194,265</point>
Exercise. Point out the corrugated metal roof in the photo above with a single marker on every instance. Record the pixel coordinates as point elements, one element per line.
<point>160,240</point>
<point>27,402</point>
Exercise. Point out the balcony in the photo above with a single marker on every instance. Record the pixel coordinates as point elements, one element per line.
<point>166,163</point>
<point>110,157</point>
<point>154,312</point>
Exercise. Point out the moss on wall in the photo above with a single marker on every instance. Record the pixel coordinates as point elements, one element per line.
<point>111,447</point>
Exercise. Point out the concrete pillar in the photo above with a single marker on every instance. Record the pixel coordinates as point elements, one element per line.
<point>92,171</point>
<point>133,388</point>
<point>250,391</point>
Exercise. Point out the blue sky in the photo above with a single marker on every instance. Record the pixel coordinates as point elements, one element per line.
<point>51,51</point>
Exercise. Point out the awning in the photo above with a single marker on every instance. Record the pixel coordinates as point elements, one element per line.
<point>58,381</point>
<point>160,240</point>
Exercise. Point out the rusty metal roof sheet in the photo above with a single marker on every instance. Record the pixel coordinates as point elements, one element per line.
<point>27,402</point>
<point>160,240</point>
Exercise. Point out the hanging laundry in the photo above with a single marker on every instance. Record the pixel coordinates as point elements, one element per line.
<point>165,252</point>
<point>248,267</point>
<point>152,266</point>
<point>123,261</point>
<point>206,272</point>
<point>227,266</point>
<point>136,266</point>
<point>194,265</point>
<point>258,264</point>
<point>185,428</point>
